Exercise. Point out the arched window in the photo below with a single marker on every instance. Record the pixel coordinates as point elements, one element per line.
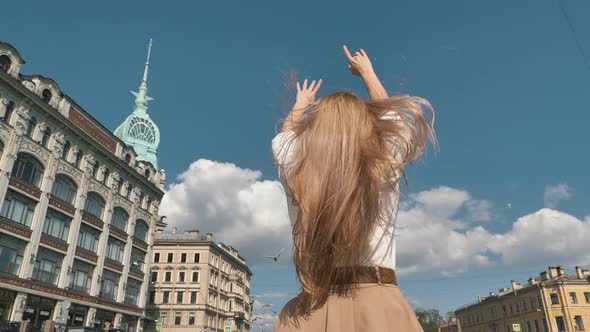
<point>46,95</point>
<point>128,158</point>
<point>31,126</point>
<point>107,173</point>
<point>129,189</point>
<point>64,188</point>
<point>141,230</point>
<point>5,63</point>
<point>148,201</point>
<point>28,169</point>
<point>79,156</point>
<point>66,151</point>
<point>46,136</point>
<point>8,113</point>
<point>120,218</point>
<point>94,204</point>
<point>95,169</point>
<point>147,173</point>
<point>1,149</point>
<point>120,185</point>
<point>141,195</point>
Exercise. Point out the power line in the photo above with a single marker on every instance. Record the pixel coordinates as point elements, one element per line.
<point>574,34</point>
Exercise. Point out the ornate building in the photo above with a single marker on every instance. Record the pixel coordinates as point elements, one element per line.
<point>79,206</point>
<point>198,285</point>
<point>555,303</point>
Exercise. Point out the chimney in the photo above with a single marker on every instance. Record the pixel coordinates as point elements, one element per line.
<point>173,230</point>
<point>544,276</point>
<point>533,281</point>
<point>480,299</point>
<point>581,273</point>
<point>194,234</point>
<point>503,289</point>
<point>552,272</point>
<point>515,285</point>
<point>209,237</point>
<point>560,271</point>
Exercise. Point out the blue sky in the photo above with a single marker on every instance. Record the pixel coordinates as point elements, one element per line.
<point>507,82</point>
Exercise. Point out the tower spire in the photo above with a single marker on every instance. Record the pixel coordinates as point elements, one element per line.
<point>141,97</point>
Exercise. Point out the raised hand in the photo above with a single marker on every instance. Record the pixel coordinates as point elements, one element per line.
<point>306,94</point>
<point>359,64</point>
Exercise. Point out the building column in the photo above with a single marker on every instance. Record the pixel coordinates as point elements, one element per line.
<point>60,315</point>
<point>20,119</point>
<point>118,320</point>
<point>18,307</point>
<point>127,254</point>
<point>90,316</point>
<point>142,300</point>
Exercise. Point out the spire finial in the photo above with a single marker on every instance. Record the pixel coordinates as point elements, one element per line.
<point>141,97</point>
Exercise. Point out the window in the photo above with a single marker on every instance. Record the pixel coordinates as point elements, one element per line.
<point>154,277</point>
<point>579,323</point>
<point>528,326</point>
<point>66,151</point>
<point>31,124</point>
<point>109,284</point>
<point>47,266</point>
<point>18,208</point>
<point>177,318</point>
<point>95,169</point>
<point>137,260</point>
<point>141,229</point>
<point>197,257</point>
<point>166,297</point>
<point>120,218</point>
<point>193,297</point>
<point>170,257</point>
<point>8,112</point>
<point>129,189</point>
<point>5,63</point>
<point>94,205</point>
<point>81,277</point>
<point>536,326</point>
<point>573,297</point>
<point>523,305</point>
<point>195,276</point>
<point>147,173</point>
<point>183,257</point>
<point>545,327</point>
<point>180,276</point>
<point>46,95</point>
<point>540,301</point>
<point>587,296</point>
<point>168,276</point>
<point>152,298</point>
<point>88,238</point>
<point>46,136</point>
<point>28,169</point>
<point>560,324</point>
<point>105,176</point>
<point>163,317</point>
<point>56,225</point>
<point>157,257</point>
<point>191,318</point>
<point>554,298</point>
<point>511,310</point>
<point>179,297</point>
<point>11,254</point>
<point>64,188</point>
<point>128,158</point>
<point>132,291</point>
<point>115,249</point>
<point>78,160</point>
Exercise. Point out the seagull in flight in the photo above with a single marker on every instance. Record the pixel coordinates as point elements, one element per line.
<point>276,256</point>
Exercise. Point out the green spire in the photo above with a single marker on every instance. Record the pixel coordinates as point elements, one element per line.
<point>138,130</point>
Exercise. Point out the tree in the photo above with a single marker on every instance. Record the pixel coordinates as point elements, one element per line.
<point>429,319</point>
<point>450,316</point>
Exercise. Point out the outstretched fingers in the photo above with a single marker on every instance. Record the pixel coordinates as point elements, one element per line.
<point>317,87</point>
<point>347,53</point>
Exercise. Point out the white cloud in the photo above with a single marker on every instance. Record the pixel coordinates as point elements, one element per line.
<point>557,193</point>
<point>233,204</point>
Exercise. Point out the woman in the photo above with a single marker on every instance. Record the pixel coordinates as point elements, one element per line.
<point>340,164</point>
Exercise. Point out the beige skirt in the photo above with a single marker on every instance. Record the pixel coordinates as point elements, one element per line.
<point>373,307</point>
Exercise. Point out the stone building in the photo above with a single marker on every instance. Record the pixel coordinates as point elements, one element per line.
<point>198,285</point>
<point>79,206</point>
<point>557,302</point>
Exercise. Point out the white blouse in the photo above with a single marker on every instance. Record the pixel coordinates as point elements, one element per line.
<point>382,244</point>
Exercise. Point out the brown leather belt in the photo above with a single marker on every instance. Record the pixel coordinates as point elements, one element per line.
<point>375,274</point>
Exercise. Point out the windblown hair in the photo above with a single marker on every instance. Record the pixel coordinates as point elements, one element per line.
<point>346,150</point>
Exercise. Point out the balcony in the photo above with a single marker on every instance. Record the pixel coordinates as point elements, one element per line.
<point>61,205</point>
<point>15,228</point>
<point>25,187</point>
<point>92,220</point>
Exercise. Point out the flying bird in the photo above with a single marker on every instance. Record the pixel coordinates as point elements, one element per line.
<point>276,256</point>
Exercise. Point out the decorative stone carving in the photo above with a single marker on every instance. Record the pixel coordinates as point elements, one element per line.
<point>135,196</point>
<point>58,143</point>
<point>29,85</point>
<point>35,150</point>
<point>64,167</point>
<point>114,182</point>
<point>21,120</point>
<point>93,185</point>
<point>88,164</point>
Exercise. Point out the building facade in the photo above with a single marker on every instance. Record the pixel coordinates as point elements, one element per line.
<point>79,207</point>
<point>557,302</point>
<point>198,285</point>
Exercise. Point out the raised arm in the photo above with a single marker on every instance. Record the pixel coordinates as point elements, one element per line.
<point>360,65</point>
<point>305,97</point>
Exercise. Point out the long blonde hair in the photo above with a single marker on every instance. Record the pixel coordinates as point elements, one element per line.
<point>345,151</point>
